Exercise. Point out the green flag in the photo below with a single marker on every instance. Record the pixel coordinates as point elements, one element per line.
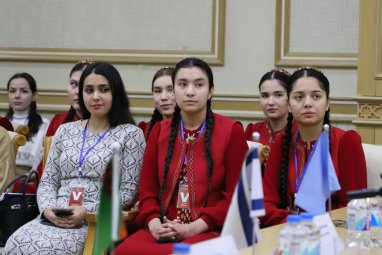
<point>103,237</point>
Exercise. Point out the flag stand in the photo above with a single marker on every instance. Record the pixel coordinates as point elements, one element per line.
<point>326,129</point>
<point>115,197</point>
<point>256,138</point>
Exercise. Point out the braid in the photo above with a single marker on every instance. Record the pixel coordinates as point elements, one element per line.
<point>285,162</point>
<point>155,117</point>
<point>327,121</point>
<point>209,129</point>
<point>171,141</point>
<point>35,120</point>
<point>70,116</point>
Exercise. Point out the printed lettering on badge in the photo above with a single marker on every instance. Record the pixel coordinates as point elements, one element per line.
<point>76,196</point>
<point>183,197</point>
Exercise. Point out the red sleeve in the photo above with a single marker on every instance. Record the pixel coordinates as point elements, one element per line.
<point>148,182</point>
<point>142,125</point>
<point>352,165</point>
<point>248,132</point>
<point>271,183</point>
<point>236,149</point>
<point>53,125</point>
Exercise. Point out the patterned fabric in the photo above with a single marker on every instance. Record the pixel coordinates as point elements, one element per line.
<point>184,214</point>
<point>60,175</point>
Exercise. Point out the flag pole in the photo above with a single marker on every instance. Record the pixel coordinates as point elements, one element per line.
<point>115,196</point>
<point>255,138</point>
<point>326,130</point>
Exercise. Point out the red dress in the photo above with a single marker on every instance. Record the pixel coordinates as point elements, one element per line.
<point>348,160</point>
<point>145,127</point>
<point>57,121</point>
<point>5,123</point>
<point>267,135</point>
<point>228,148</point>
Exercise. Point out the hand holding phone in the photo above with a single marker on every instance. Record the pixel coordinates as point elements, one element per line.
<point>62,212</point>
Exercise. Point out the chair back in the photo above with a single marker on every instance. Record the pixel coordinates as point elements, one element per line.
<point>373,156</point>
<point>47,143</point>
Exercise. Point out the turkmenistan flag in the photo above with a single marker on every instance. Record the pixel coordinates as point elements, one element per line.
<point>107,232</point>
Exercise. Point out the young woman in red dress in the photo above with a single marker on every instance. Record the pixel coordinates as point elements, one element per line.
<point>164,99</point>
<point>74,112</point>
<point>274,103</point>
<point>190,169</point>
<point>308,93</point>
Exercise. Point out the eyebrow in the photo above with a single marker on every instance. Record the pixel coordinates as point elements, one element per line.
<point>302,91</point>
<point>195,80</point>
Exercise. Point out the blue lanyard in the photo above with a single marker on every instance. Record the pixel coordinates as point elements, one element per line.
<point>298,181</point>
<point>82,158</point>
<point>182,132</point>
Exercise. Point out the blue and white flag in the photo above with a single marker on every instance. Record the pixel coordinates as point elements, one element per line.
<point>320,179</point>
<point>247,203</point>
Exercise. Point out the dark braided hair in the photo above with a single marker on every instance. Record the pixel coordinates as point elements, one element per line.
<point>171,141</point>
<point>285,162</point>
<point>35,119</point>
<point>157,116</point>
<point>189,63</point>
<point>304,71</point>
<point>80,66</point>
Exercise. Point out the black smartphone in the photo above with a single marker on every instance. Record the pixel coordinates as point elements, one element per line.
<point>62,212</point>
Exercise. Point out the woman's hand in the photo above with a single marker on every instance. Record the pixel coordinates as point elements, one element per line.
<point>161,231</point>
<point>175,230</point>
<point>77,217</point>
<point>70,221</point>
<point>183,231</point>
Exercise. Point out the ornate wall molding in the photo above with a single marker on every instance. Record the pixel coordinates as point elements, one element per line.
<point>245,108</point>
<point>369,111</point>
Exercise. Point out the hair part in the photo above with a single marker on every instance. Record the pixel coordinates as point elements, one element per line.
<point>275,74</point>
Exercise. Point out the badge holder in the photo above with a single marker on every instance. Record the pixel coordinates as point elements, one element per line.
<point>77,192</point>
<point>183,196</point>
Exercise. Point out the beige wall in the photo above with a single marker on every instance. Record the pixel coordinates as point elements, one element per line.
<point>249,52</point>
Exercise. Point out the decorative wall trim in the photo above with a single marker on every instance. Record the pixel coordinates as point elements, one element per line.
<point>238,106</point>
<point>142,52</point>
<point>369,111</point>
<point>284,56</point>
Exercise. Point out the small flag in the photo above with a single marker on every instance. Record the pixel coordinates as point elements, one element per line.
<point>108,223</point>
<point>247,203</point>
<point>320,179</point>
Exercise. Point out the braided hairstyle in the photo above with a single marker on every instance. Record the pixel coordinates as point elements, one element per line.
<point>304,71</point>
<point>176,118</point>
<point>80,66</point>
<point>157,116</point>
<point>35,119</point>
<point>119,112</point>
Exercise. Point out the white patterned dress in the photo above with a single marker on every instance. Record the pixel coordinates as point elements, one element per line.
<point>60,174</point>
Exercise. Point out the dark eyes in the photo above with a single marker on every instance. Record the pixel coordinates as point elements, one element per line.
<point>275,94</point>
<point>74,84</point>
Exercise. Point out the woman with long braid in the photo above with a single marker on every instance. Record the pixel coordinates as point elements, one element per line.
<point>164,99</point>
<point>190,169</point>
<point>308,93</point>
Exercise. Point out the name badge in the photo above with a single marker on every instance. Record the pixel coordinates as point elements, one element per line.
<point>183,197</point>
<point>76,196</point>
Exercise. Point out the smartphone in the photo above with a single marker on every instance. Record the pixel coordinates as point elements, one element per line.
<point>62,212</point>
